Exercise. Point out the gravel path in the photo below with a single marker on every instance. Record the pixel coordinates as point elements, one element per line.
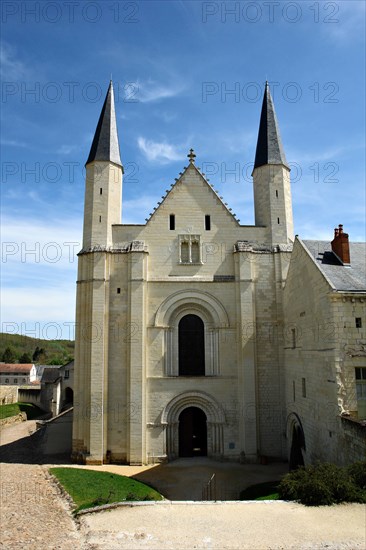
<point>239,526</point>
<point>34,516</point>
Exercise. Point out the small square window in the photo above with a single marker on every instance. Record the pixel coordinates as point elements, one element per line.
<point>358,322</point>
<point>172,222</point>
<point>15,380</point>
<point>6,380</point>
<point>67,374</point>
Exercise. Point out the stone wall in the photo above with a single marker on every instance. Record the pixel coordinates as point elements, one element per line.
<point>8,394</point>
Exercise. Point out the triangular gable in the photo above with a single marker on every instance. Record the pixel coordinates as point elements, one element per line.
<point>180,181</point>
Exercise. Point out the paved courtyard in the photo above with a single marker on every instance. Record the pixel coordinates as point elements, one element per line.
<point>34,515</point>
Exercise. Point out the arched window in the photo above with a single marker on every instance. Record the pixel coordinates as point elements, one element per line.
<point>191,346</point>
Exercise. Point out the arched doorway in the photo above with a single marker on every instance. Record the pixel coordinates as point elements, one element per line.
<point>192,432</point>
<point>191,346</point>
<point>297,443</point>
<point>69,396</point>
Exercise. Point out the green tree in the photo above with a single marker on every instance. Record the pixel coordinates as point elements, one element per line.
<point>25,358</point>
<point>9,356</point>
<point>39,355</point>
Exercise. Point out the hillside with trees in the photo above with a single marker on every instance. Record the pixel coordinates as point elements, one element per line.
<point>17,348</point>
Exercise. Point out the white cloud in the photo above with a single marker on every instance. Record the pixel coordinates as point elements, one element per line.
<point>344,19</point>
<point>153,91</point>
<point>66,149</point>
<point>159,152</point>
<point>11,68</point>
<point>42,313</point>
<point>29,242</point>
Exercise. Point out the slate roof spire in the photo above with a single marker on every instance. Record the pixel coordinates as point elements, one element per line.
<point>105,146</point>
<point>269,145</point>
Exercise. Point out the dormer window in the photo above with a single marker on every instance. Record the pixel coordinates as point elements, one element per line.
<point>189,249</point>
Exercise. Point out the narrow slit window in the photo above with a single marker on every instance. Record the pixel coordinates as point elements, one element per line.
<point>118,291</point>
<point>101,191</point>
<point>303,383</point>
<point>358,321</point>
<point>208,222</point>
<point>293,335</point>
<point>276,193</point>
<point>172,222</point>
<point>100,219</point>
<point>278,220</point>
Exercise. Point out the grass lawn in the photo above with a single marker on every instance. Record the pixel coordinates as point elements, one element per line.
<point>261,491</point>
<point>89,488</point>
<point>12,409</point>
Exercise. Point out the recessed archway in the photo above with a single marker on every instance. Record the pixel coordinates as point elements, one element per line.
<point>192,432</point>
<point>214,418</point>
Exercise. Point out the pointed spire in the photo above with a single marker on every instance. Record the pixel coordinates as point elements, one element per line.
<point>105,143</point>
<point>269,144</point>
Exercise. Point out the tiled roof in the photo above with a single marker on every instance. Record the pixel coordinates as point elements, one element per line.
<point>16,367</point>
<point>344,278</point>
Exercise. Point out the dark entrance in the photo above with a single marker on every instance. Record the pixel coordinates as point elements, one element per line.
<point>296,458</point>
<point>191,346</point>
<point>192,432</point>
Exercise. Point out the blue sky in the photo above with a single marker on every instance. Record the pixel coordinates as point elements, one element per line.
<point>186,74</point>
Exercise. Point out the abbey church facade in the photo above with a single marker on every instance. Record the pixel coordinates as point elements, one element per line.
<point>181,326</point>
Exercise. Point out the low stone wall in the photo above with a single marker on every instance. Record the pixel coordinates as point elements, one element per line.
<point>21,417</point>
<point>57,434</point>
<point>8,394</point>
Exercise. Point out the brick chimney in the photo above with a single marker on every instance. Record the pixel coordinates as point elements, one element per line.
<point>340,245</point>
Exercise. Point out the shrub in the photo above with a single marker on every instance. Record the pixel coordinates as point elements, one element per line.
<point>357,472</point>
<point>324,484</point>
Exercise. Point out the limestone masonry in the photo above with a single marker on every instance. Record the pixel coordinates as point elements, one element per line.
<point>197,335</point>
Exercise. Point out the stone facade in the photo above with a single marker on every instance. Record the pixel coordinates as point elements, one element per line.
<point>323,348</point>
<point>137,397</point>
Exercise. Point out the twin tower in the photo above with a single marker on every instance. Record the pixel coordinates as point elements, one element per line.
<point>171,356</point>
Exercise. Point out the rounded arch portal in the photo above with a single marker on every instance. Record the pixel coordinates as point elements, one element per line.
<point>200,304</point>
<point>215,420</point>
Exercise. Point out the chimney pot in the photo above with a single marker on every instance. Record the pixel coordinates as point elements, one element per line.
<point>340,245</point>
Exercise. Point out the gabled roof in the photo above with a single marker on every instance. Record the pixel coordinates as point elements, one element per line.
<point>343,278</point>
<point>269,145</point>
<point>191,165</point>
<point>21,368</point>
<point>105,146</point>
<point>50,375</point>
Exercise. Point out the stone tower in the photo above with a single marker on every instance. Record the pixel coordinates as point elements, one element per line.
<point>102,209</point>
<point>103,189</point>
<point>271,179</point>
